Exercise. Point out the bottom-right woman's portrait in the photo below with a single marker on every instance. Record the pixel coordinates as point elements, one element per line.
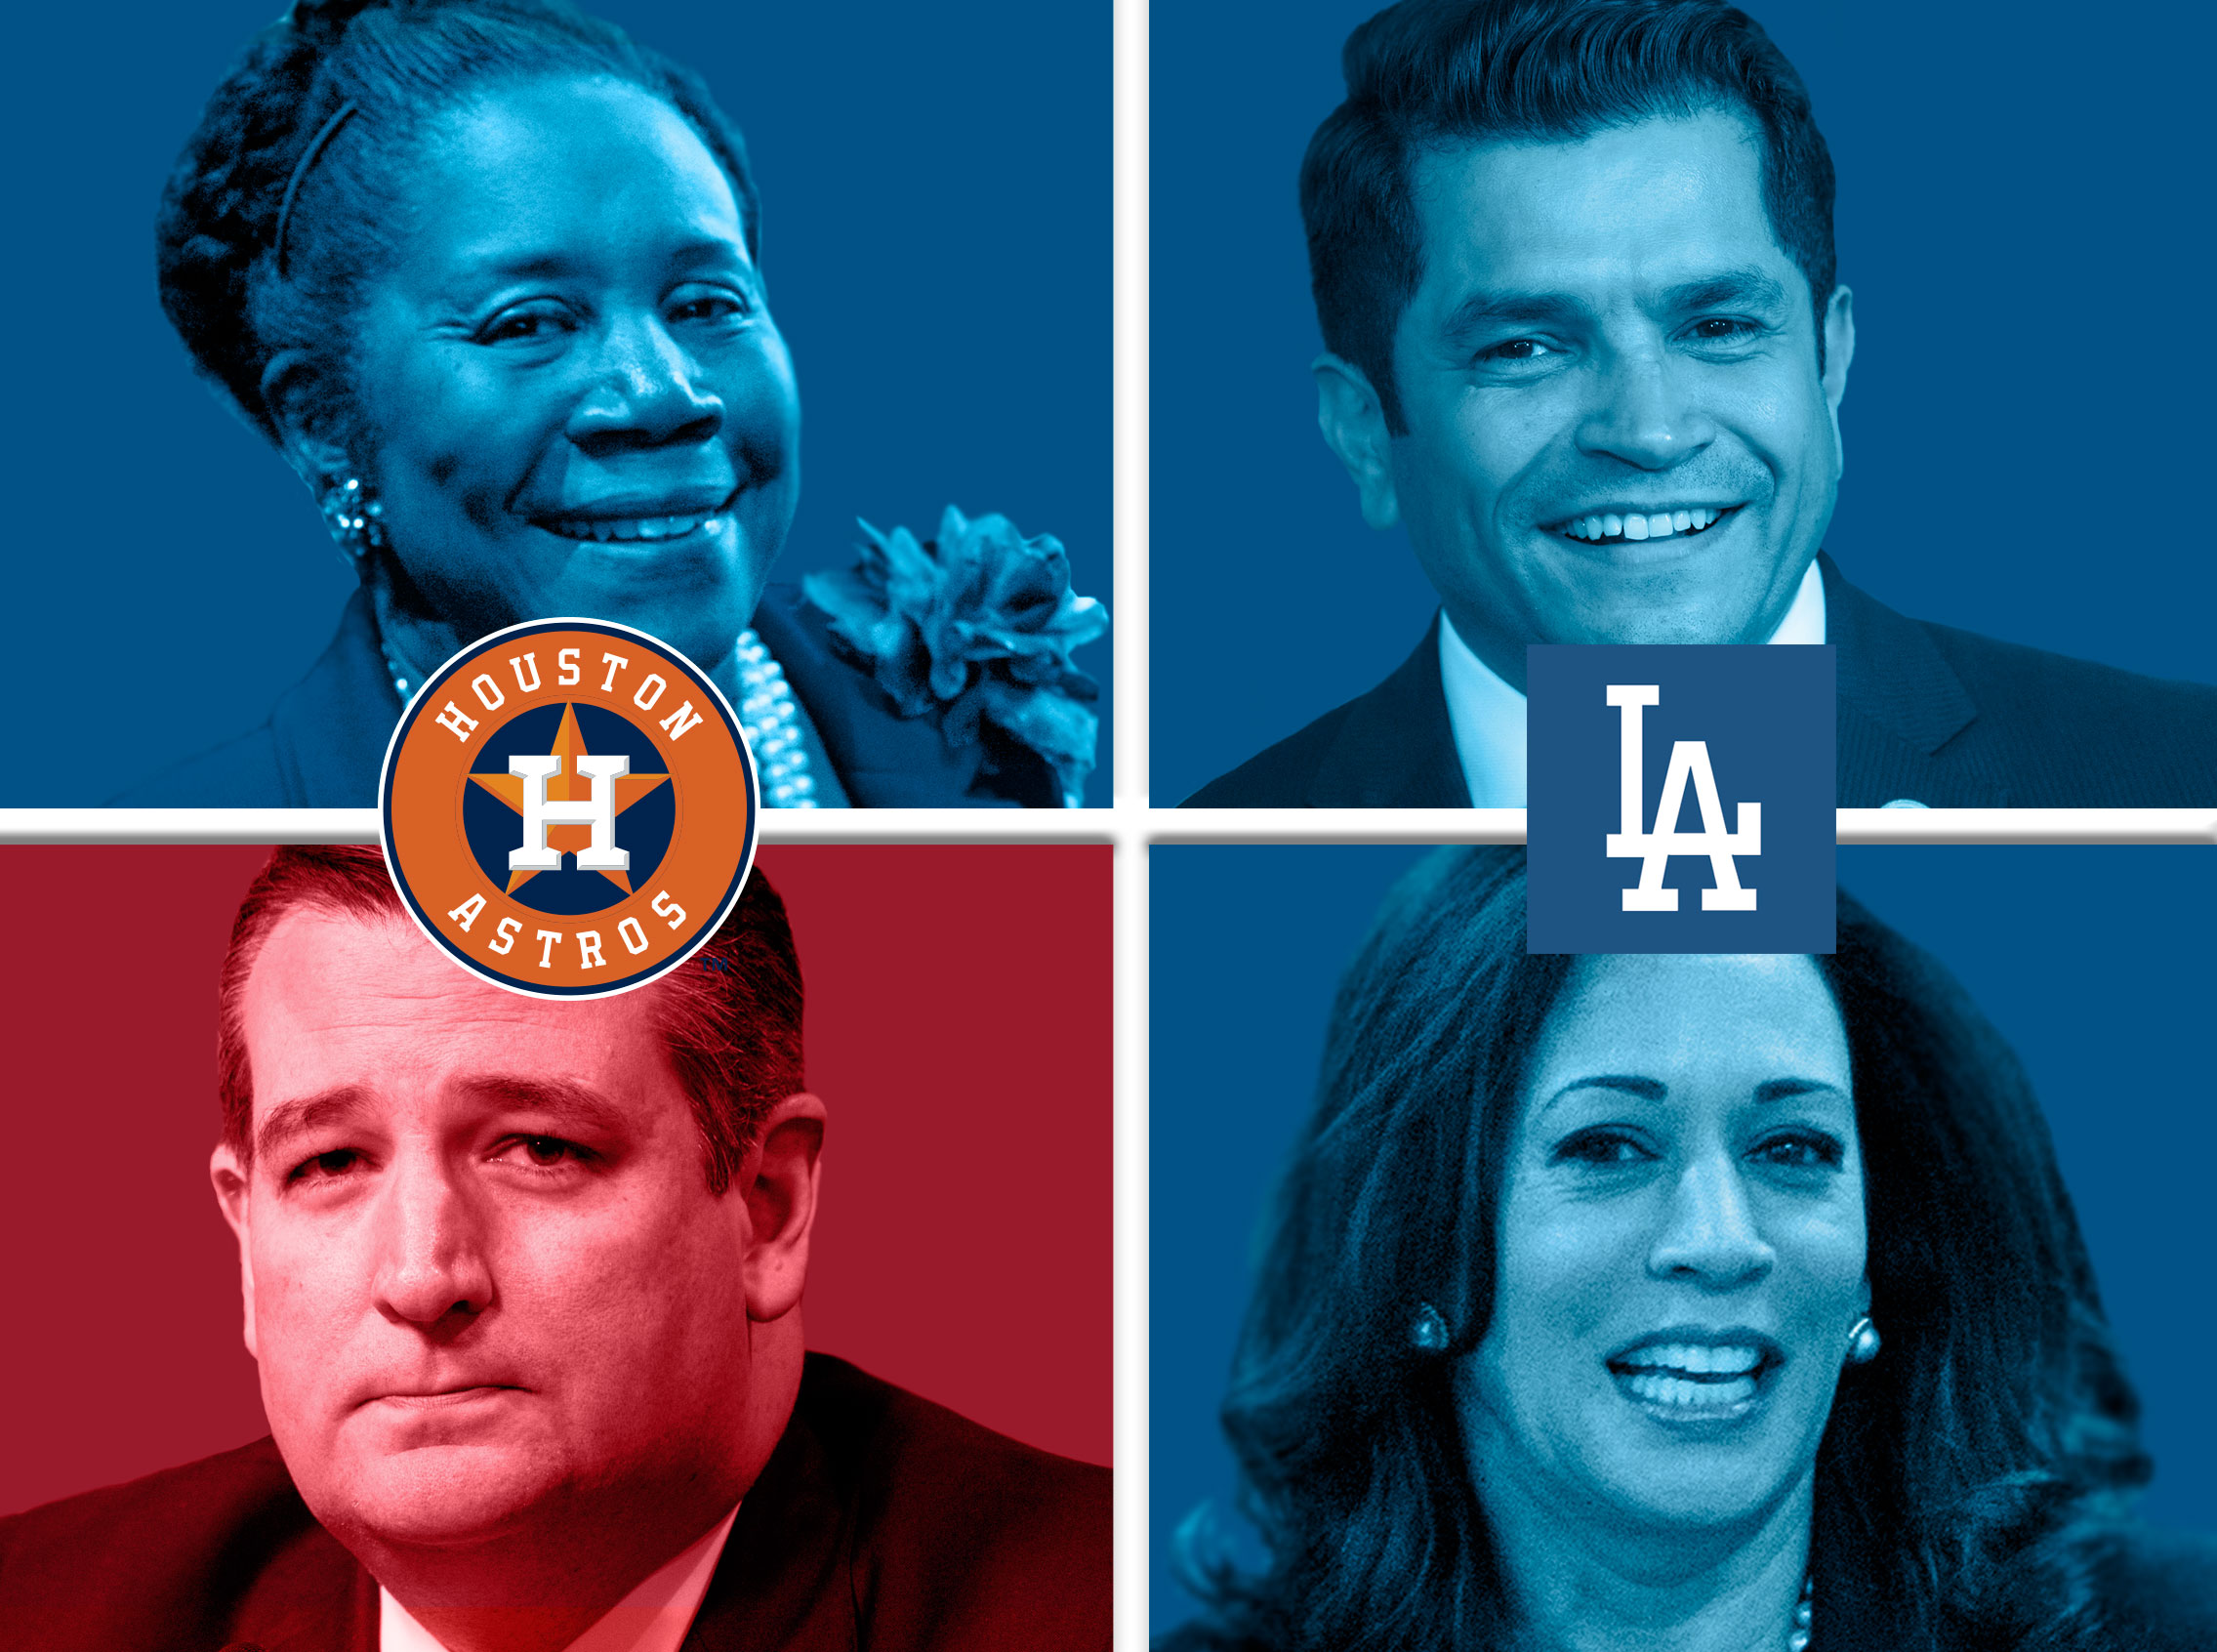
<point>1700,1303</point>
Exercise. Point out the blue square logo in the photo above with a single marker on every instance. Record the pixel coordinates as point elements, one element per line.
<point>1680,798</point>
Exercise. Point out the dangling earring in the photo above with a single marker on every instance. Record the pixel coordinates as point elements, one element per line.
<point>1863,1342</point>
<point>1428,1333</point>
<point>355,519</point>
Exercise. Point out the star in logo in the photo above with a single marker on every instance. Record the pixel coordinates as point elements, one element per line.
<point>569,746</point>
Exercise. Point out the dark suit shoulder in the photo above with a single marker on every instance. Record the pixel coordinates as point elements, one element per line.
<point>1280,775</point>
<point>191,1557</point>
<point>962,1537</point>
<point>2042,685</point>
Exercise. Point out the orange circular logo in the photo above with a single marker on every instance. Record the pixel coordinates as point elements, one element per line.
<point>568,808</point>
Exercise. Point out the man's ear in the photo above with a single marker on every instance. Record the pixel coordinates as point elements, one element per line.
<point>298,395</point>
<point>230,1179</point>
<point>779,1178</point>
<point>1839,354</point>
<point>1353,421</point>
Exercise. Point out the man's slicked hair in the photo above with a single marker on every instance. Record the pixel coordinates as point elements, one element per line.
<point>730,1016</point>
<point>1430,74</point>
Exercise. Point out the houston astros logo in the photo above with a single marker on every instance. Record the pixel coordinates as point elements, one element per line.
<point>568,808</point>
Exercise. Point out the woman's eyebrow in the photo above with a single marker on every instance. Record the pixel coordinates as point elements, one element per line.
<point>1781,1089</point>
<point>1646,1089</point>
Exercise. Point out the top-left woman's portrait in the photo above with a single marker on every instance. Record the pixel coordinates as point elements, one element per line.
<point>464,314</point>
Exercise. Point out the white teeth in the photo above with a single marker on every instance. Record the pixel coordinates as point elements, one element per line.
<point>1660,525</point>
<point>1676,1390</point>
<point>602,529</point>
<point>1698,1359</point>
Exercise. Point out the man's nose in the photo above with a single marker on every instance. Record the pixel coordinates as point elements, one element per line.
<point>1645,412</point>
<point>431,1257</point>
<point>645,393</point>
<point>1710,1234</point>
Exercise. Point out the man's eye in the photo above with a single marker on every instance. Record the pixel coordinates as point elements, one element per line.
<point>1601,1147</point>
<point>1516,349</point>
<point>541,1152</point>
<point>1716,327</point>
<point>325,1166</point>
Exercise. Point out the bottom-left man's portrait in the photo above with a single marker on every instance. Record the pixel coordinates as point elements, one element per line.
<point>385,1309</point>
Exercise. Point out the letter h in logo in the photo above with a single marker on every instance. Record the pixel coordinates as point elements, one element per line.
<point>1688,758</point>
<point>597,810</point>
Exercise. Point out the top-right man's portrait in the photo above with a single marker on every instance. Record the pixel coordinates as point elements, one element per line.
<point>1589,282</point>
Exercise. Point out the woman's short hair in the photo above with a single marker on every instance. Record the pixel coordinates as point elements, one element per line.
<point>311,132</point>
<point>730,1016</point>
<point>1427,73</point>
<point>1966,1477</point>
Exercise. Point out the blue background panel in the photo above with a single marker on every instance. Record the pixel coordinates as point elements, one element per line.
<point>2019,189</point>
<point>935,234</point>
<point>2092,961</point>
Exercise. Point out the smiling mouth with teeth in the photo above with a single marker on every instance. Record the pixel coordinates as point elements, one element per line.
<point>1608,526</point>
<point>604,530</point>
<point>1693,1377</point>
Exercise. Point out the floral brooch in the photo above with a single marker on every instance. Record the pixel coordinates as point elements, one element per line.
<point>977,624</point>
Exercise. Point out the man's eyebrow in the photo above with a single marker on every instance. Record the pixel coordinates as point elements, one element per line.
<point>305,1113</point>
<point>1482,310</point>
<point>1727,289</point>
<point>579,1106</point>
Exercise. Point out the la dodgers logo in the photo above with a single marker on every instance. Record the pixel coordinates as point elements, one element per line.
<point>568,808</point>
<point>1689,760</point>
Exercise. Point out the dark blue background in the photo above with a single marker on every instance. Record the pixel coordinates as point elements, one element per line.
<point>936,235</point>
<point>1766,717</point>
<point>2020,189</point>
<point>2093,962</point>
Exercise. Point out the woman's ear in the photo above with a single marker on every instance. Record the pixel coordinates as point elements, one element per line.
<point>778,1180</point>
<point>298,395</point>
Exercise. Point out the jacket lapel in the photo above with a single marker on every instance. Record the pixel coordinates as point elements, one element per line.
<point>1395,749</point>
<point>780,1585</point>
<point>331,729</point>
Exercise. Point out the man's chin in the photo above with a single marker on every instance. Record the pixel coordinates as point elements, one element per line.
<point>438,1496</point>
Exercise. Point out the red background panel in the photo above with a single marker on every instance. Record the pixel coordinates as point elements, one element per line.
<point>959,1021</point>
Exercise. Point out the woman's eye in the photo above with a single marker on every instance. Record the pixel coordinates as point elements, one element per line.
<point>523,326</point>
<point>1811,1151</point>
<point>710,307</point>
<point>1602,1147</point>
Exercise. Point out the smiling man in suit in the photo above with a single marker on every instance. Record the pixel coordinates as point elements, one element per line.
<point>523,1278</point>
<point>1574,266</point>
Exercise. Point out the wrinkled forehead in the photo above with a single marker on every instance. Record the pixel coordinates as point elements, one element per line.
<point>1648,205</point>
<point>337,1001</point>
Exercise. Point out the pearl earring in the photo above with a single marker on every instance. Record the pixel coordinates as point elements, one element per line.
<point>1429,1334</point>
<point>1863,1342</point>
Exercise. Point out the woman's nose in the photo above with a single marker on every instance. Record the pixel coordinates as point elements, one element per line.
<point>430,1262</point>
<point>645,393</point>
<point>1709,1233</point>
<point>1644,413</point>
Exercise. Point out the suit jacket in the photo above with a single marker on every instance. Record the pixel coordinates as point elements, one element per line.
<point>1937,716</point>
<point>882,1523</point>
<point>324,743</point>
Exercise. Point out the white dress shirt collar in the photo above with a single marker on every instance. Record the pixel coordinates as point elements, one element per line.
<point>1487,715</point>
<point>653,1617</point>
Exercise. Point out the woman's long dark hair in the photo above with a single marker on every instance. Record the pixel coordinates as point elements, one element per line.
<point>1967,1477</point>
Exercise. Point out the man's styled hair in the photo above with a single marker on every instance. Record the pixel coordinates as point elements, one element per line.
<point>1427,74</point>
<point>730,1016</point>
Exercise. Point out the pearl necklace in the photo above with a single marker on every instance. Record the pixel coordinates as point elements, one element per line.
<point>1797,1637</point>
<point>768,715</point>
